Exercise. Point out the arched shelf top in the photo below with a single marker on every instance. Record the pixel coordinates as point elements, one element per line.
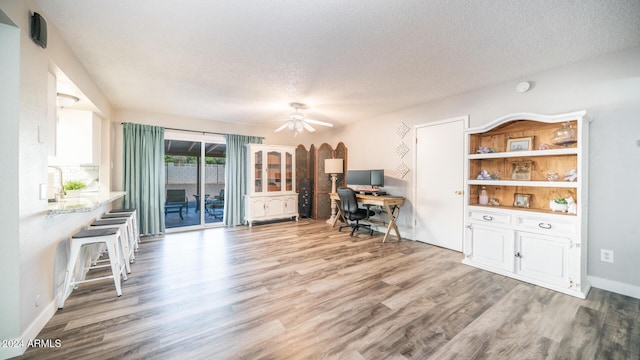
<point>576,115</point>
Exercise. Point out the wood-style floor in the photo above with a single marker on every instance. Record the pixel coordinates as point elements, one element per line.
<point>305,291</point>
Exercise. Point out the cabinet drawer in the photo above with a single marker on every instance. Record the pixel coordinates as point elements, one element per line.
<point>543,224</point>
<point>490,217</point>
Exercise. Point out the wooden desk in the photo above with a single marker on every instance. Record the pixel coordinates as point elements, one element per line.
<point>391,204</point>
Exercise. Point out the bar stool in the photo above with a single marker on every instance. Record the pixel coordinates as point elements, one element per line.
<point>122,213</point>
<point>125,235</point>
<point>132,234</point>
<point>136,231</point>
<point>79,243</point>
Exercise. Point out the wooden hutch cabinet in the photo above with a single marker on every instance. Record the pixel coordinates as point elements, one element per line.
<point>516,167</point>
<point>271,183</point>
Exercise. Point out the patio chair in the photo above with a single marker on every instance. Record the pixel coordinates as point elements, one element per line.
<point>176,200</point>
<point>215,207</point>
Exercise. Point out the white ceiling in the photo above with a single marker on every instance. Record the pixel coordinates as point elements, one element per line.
<point>243,61</point>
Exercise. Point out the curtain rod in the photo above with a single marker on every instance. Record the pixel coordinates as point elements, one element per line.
<point>200,132</point>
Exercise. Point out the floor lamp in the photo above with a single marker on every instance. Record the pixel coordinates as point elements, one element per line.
<point>333,167</point>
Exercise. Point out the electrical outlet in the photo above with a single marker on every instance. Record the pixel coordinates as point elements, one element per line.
<point>606,255</point>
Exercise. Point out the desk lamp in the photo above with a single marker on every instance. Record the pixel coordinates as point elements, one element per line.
<point>333,167</point>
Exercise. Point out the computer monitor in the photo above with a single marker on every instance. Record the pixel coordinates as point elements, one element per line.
<point>358,177</point>
<point>373,178</point>
<point>377,178</point>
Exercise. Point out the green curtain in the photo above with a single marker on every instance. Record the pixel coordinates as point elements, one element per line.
<point>236,177</point>
<point>143,159</point>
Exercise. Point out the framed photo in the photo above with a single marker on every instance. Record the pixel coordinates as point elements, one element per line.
<point>521,200</point>
<point>521,170</point>
<point>520,144</point>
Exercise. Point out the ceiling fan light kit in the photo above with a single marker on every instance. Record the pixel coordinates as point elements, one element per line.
<point>298,123</point>
<point>64,100</point>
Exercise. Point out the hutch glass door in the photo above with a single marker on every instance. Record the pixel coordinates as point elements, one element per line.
<point>258,171</point>
<point>274,168</point>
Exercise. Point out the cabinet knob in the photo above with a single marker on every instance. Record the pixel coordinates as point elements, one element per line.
<point>518,255</point>
<point>487,217</point>
<point>545,225</point>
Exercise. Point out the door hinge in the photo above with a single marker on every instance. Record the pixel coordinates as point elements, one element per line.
<point>415,222</point>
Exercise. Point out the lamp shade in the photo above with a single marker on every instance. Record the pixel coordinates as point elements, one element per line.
<point>333,166</point>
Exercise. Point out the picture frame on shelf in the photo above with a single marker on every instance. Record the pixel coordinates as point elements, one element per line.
<point>521,170</point>
<point>521,200</point>
<point>520,144</point>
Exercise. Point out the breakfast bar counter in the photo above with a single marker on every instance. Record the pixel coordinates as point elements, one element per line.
<point>83,203</point>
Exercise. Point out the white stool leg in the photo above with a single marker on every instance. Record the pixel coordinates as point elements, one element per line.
<point>71,265</point>
<point>112,248</point>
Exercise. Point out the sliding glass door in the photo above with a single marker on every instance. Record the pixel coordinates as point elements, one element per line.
<point>214,160</point>
<point>194,180</point>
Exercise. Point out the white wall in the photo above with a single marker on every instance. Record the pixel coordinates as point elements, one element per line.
<point>36,241</point>
<point>9,219</point>
<point>607,87</point>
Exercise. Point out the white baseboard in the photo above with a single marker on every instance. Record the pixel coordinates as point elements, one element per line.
<point>30,333</point>
<point>615,286</point>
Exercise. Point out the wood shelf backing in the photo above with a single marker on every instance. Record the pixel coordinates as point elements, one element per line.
<point>497,138</point>
<point>539,199</point>
<point>540,166</point>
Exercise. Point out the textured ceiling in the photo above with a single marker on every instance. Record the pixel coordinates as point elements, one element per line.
<point>243,61</point>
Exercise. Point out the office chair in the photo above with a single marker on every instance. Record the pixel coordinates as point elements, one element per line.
<point>352,213</point>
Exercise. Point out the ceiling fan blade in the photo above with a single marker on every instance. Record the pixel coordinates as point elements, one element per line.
<point>308,127</point>
<point>282,127</point>
<point>318,122</point>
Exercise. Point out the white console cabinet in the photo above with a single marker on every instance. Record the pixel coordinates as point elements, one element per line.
<point>271,183</point>
<point>517,234</point>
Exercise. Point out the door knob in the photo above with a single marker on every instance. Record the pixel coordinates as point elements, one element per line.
<point>458,192</point>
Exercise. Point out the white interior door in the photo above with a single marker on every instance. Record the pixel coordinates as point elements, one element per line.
<point>439,183</point>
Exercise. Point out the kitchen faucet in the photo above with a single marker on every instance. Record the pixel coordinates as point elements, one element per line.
<point>60,193</point>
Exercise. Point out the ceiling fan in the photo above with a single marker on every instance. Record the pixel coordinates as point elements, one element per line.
<point>297,122</point>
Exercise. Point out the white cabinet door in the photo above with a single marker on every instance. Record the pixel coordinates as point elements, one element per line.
<point>258,208</point>
<point>275,207</point>
<point>78,137</point>
<point>543,258</point>
<point>291,206</point>
<point>492,246</point>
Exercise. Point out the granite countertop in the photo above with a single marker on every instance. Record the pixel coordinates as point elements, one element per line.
<point>85,202</point>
